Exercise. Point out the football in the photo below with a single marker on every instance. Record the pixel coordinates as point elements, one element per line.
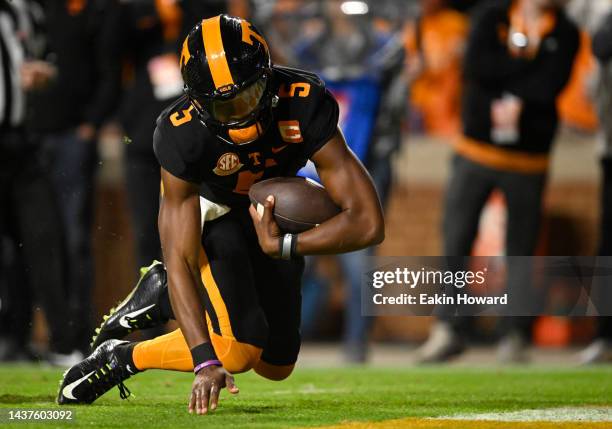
<point>299,204</point>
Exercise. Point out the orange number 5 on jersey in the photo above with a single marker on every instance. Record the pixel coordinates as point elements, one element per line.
<point>176,120</point>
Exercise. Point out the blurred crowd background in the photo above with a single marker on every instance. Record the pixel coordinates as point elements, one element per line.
<point>486,126</point>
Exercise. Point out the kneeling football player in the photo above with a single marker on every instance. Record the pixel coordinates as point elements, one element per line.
<point>231,279</point>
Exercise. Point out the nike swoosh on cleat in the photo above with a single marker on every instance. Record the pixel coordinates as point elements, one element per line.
<point>278,149</point>
<point>123,321</point>
<point>67,391</point>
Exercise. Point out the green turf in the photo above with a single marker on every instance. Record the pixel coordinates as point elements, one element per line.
<point>315,397</point>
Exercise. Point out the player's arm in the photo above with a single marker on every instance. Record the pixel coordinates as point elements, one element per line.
<point>179,227</point>
<point>360,224</point>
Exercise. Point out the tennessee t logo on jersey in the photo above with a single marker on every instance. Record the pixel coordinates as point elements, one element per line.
<point>227,164</point>
<point>290,131</point>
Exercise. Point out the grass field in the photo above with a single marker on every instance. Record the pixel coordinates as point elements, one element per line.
<point>323,397</point>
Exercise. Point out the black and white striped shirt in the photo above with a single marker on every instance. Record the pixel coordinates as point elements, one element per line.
<point>15,28</point>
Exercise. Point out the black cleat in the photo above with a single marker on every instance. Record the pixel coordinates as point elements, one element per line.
<point>93,377</point>
<point>140,310</point>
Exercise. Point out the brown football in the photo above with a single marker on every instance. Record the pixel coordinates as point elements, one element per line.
<point>299,204</point>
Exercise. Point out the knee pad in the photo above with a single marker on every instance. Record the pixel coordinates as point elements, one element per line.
<point>236,357</point>
<point>273,372</point>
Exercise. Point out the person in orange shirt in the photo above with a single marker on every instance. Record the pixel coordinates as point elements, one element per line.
<point>435,42</point>
<point>519,57</point>
<point>600,350</point>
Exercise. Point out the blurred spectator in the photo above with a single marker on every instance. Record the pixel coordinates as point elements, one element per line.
<point>576,107</point>
<point>281,23</point>
<point>65,117</point>
<point>435,43</point>
<point>360,56</point>
<point>601,348</point>
<point>28,209</point>
<point>151,33</point>
<point>519,57</point>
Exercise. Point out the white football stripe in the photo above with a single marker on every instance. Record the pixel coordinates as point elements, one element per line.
<point>564,414</point>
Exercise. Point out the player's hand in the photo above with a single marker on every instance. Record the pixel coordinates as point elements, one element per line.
<point>207,386</point>
<point>267,229</point>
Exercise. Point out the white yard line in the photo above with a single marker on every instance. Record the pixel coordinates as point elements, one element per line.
<point>564,414</point>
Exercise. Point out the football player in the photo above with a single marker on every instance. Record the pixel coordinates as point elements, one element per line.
<point>231,279</point>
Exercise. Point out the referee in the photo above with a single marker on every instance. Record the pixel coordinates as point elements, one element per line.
<point>28,212</point>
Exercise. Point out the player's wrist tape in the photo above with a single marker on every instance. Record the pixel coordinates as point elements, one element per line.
<point>287,243</point>
<point>208,363</point>
<point>203,353</point>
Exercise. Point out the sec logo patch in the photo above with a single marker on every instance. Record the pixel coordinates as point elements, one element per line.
<point>290,131</point>
<point>227,164</point>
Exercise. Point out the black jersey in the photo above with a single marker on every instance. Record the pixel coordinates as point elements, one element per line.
<point>304,119</point>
